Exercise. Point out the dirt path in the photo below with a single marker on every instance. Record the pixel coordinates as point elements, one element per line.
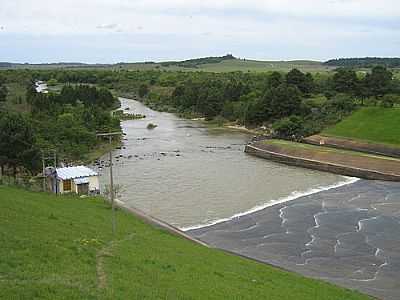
<point>102,254</point>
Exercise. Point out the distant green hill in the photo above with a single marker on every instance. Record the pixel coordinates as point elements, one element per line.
<point>227,63</point>
<point>374,124</point>
<point>55,247</point>
<point>195,63</point>
<point>231,65</point>
<point>364,62</point>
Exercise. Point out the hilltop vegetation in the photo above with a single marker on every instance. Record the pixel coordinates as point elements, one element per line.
<point>195,63</point>
<point>57,247</point>
<point>366,62</point>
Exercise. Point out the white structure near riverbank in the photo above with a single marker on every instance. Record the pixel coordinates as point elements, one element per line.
<point>79,180</point>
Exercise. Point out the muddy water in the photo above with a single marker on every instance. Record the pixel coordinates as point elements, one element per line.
<point>188,175</point>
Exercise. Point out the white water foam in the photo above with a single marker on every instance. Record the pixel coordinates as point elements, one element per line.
<point>293,196</point>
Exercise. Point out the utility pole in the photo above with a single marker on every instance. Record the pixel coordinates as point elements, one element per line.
<point>44,159</point>
<point>110,136</point>
<point>43,173</point>
<point>55,159</point>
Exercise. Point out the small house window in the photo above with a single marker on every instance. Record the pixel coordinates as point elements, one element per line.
<point>67,185</point>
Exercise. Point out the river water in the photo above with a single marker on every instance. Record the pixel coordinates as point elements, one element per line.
<point>188,175</point>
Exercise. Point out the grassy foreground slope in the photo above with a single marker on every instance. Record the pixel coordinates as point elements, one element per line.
<point>372,124</point>
<point>62,248</point>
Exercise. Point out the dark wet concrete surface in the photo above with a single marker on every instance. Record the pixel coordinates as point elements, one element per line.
<point>349,236</point>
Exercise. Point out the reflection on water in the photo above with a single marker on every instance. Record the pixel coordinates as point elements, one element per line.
<point>186,175</point>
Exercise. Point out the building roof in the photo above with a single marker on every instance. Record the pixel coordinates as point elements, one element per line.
<point>74,172</point>
<point>82,180</point>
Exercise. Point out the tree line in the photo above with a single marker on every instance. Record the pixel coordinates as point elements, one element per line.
<point>366,62</point>
<point>66,122</point>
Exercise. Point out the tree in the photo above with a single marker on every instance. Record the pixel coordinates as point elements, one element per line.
<point>275,80</point>
<point>17,142</point>
<point>283,101</point>
<point>143,90</point>
<point>378,82</point>
<point>345,81</point>
<point>304,82</point>
<point>341,103</point>
<point>233,90</point>
<point>289,127</point>
<point>3,90</point>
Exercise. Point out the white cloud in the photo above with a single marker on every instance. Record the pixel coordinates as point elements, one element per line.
<point>250,23</point>
<point>107,26</point>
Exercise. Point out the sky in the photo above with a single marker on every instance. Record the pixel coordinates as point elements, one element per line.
<point>110,31</point>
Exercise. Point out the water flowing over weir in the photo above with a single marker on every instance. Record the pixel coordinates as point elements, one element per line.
<point>348,235</point>
<point>340,229</point>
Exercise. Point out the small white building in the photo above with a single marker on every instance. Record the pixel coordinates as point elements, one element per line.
<point>80,180</point>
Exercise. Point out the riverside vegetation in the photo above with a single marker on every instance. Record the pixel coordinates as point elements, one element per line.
<point>62,247</point>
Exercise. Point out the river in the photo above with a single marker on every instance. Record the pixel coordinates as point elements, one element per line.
<point>188,175</point>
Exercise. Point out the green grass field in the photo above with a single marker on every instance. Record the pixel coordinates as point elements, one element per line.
<point>62,248</point>
<point>371,124</point>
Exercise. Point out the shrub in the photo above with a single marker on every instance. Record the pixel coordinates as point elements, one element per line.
<point>289,128</point>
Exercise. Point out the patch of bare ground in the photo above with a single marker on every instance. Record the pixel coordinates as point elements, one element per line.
<point>102,254</point>
<point>332,156</point>
<point>354,144</point>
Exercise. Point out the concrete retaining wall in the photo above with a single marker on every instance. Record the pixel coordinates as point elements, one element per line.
<point>158,223</point>
<point>321,166</point>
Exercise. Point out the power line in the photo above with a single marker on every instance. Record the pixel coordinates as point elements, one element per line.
<point>44,159</point>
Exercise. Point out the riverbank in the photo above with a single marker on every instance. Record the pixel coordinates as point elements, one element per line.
<point>349,163</point>
<point>216,124</point>
<point>79,258</point>
<point>102,149</point>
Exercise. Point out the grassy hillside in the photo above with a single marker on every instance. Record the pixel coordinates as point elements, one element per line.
<point>226,65</point>
<point>62,248</point>
<point>232,65</point>
<point>263,66</point>
<point>374,124</point>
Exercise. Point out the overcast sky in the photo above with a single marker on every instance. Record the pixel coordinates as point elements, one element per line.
<point>142,30</point>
